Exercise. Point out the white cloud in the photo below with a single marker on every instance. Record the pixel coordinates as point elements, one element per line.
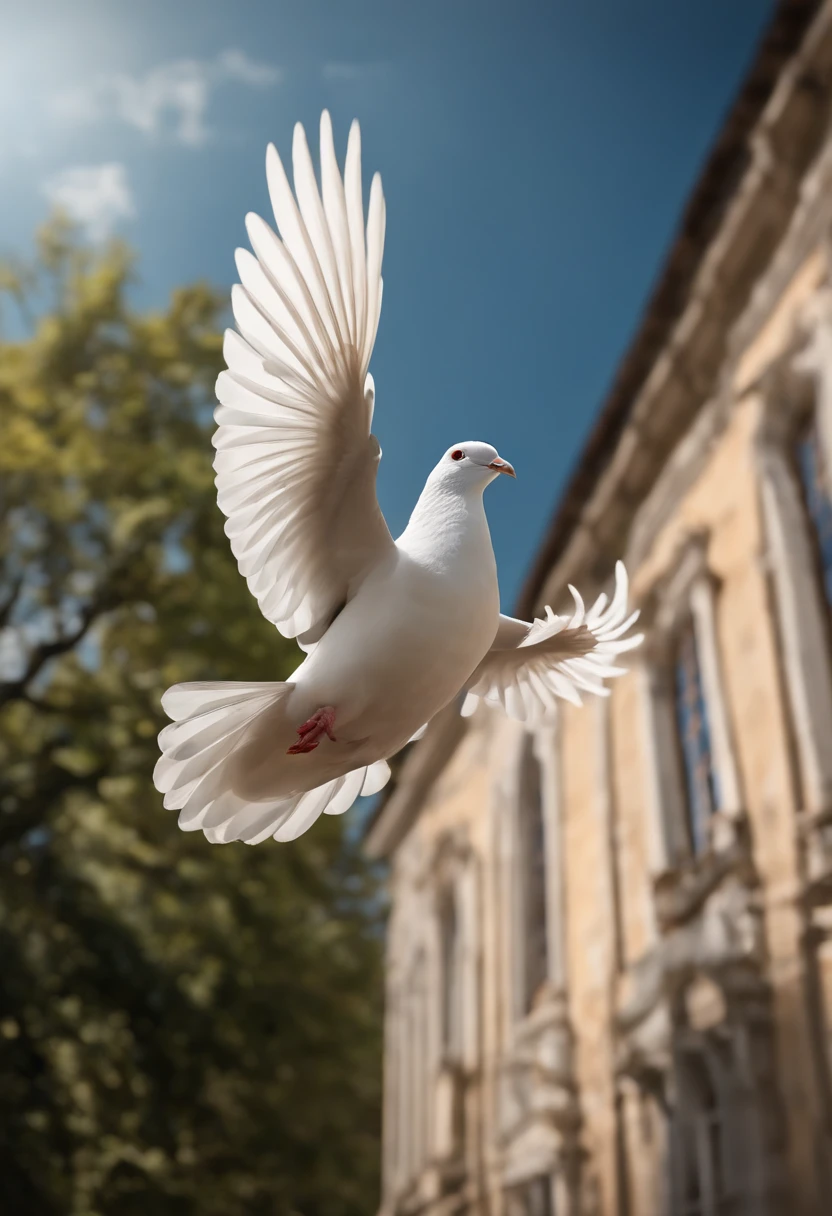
<point>173,94</point>
<point>95,196</point>
<point>236,65</point>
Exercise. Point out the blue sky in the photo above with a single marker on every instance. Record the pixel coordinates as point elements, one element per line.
<point>535,158</point>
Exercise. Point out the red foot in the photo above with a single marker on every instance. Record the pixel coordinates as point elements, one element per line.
<point>309,735</point>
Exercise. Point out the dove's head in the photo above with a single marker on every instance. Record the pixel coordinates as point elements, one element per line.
<point>470,465</point>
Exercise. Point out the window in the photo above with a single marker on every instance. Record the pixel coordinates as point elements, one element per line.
<point>455,1050</point>
<point>817,494</point>
<point>695,778</point>
<point>533,1198</point>
<point>449,942</point>
<point>532,886</point>
<point>415,1125</point>
<point>701,789</point>
<point>698,1156</point>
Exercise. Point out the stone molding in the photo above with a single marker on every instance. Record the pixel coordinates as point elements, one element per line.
<point>722,935</point>
<point>538,1107</point>
<point>701,990</point>
<point>680,893</point>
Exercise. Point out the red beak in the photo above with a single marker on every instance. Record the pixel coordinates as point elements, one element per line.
<point>502,466</point>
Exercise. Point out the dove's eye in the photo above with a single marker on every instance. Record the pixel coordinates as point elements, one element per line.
<point>457,454</point>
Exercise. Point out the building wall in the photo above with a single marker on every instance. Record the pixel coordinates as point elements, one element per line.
<point>685,996</point>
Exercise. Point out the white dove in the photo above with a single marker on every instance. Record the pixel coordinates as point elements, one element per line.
<point>393,630</point>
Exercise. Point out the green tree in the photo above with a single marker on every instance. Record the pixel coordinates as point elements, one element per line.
<point>183,1028</point>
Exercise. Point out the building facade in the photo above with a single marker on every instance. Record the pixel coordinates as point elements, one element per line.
<point>609,975</point>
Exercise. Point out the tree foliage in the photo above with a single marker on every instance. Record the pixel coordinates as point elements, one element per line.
<point>183,1028</point>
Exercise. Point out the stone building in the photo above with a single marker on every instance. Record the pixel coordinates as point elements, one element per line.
<point>609,981</point>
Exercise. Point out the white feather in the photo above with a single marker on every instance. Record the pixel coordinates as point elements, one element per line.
<point>526,680</point>
<point>302,517</point>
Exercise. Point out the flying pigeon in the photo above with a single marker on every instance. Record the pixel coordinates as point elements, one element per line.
<point>393,630</point>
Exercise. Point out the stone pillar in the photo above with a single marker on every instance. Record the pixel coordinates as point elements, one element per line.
<point>667,842</point>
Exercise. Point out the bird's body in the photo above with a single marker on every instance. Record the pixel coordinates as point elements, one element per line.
<point>418,625</point>
<point>394,631</point>
<point>397,653</point>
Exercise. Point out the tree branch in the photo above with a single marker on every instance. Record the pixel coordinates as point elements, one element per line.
<point>14,690</point>
<point>8,605</point>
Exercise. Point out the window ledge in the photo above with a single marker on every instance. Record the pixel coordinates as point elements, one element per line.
<point>723,939</point>
<point>680,892</point>
<point>433,1185</point>
<point>543,1039</point>
<point>549,1007</point>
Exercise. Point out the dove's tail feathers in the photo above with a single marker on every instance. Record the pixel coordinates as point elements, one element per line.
<point>297,815</point>
<point>215,731</point>
<point>287,818</point>
<point>223,765</point>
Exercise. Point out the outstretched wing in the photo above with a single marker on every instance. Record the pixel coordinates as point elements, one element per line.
<point>296,462</point>
<point>529,666</point>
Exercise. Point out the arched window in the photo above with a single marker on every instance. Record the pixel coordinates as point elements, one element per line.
<point>532,878</point>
